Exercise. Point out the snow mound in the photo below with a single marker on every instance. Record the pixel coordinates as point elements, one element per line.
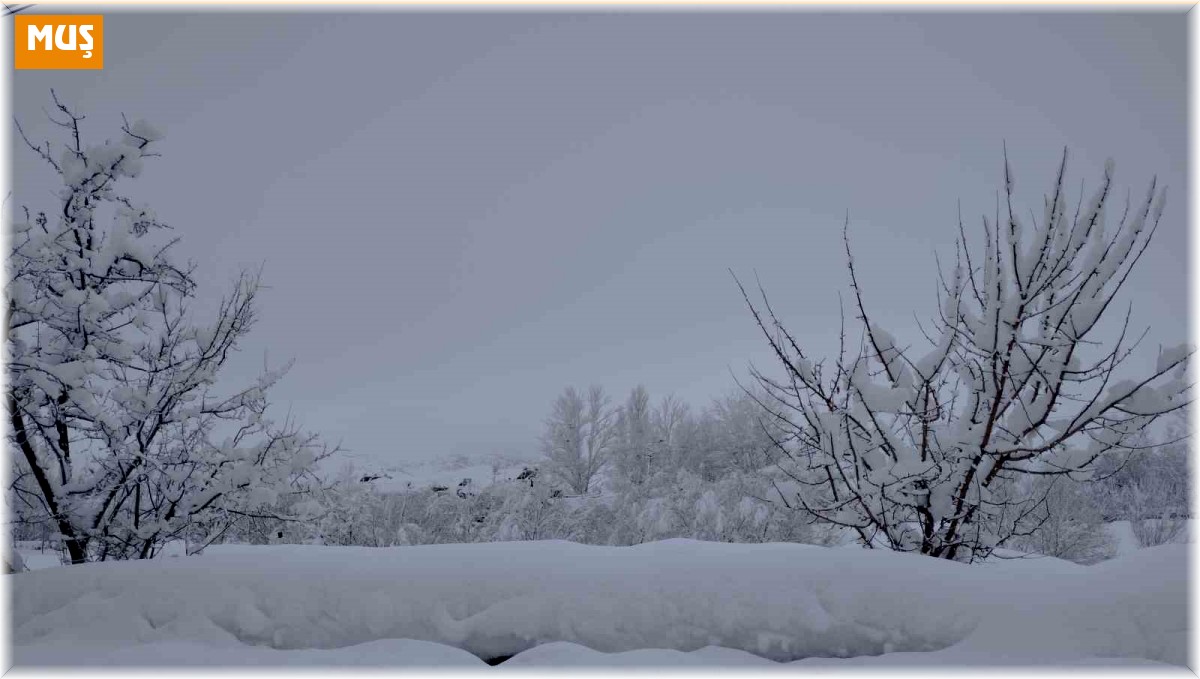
<point>781,602</point>
<point>566,654</point>
<point>382,653</point>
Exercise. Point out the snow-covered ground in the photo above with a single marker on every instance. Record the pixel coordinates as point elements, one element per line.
<point>676,602</point>
<point>37,556</point>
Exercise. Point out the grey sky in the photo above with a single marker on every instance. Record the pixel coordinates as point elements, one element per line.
<point>461,214</point>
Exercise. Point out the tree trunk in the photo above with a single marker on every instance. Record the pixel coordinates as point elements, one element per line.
<point>76,548</point>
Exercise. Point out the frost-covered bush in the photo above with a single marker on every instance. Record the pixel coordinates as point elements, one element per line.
<point>1155,532</point>
<point>923,449</point>
<point>1070,525</point>
<point>532,513</point>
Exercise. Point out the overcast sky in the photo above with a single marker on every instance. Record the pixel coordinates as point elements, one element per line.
<point>461,214</point>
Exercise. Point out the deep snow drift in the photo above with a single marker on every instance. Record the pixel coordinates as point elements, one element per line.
<point>287,605</point>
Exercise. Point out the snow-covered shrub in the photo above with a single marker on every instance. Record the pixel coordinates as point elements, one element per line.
<point>1155,532</point>
<point>13,563</point>
<point>410,534</point>
<point>1070,525</point>
<point>922,449</point>
<point>530,514</point>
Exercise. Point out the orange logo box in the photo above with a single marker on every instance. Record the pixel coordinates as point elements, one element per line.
<point>58,41</point>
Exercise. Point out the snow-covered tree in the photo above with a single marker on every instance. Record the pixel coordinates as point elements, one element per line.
<point>634,452</point>
<point>579,437</point>
<point>924,450</point>
<point>743,434</point>
<point>113,412</point>
<point>670,419</point>
<point>731,435</point>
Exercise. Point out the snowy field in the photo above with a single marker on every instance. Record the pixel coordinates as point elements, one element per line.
<point>670,603</point>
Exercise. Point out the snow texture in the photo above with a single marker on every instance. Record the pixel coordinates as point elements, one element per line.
<point>704,603</point>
